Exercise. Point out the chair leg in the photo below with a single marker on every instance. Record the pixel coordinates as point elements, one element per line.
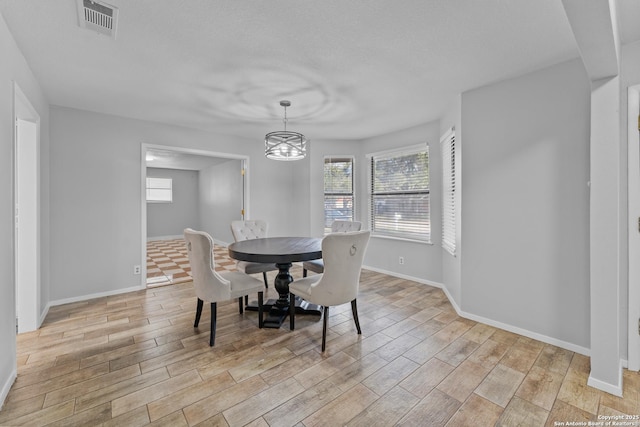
<point>198,313</point>
<point>324,327</point>
<point>292,311</point>
<point>240,306</point>
<point>214,314</point>
<point>304,272</point>
<point>260,310</point>
<point>354,310</point>
<point>266,282</point>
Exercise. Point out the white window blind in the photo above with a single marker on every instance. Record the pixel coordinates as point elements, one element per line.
<point>400,194</point>
<point>448,150</point>
<point>159,190</point>
<point>338,190</point>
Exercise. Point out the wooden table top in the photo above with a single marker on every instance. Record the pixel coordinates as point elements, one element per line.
<point>278,250</point>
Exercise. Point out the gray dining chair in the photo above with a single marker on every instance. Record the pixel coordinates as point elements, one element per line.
<point>252,229</point>
<point>343,254</point>
<point>212,286</point>
<point>337,226</point>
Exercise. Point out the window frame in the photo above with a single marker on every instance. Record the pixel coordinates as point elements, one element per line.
<point>449,211</point>
<point>148,188</point>
<point>399,152</point>
<point>352,195</point>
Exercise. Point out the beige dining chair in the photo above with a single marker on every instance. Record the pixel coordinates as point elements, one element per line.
<point>212,286</point>
<point>337,226</point>
<point>252,229</point>
<point>343,254</point>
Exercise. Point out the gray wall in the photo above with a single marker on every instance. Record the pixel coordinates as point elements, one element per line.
<point>170,219</point>
<point>422,261</point>
<point>525,202</point>
<point>301,182</point>
<point>14,68</point>
<point>96,207</point>
<point>220,195</point>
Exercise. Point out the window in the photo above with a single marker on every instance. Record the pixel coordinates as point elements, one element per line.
<point>448,149</point>
<point>159,190</point>
<point>338,190</point>
<point>400,194</point>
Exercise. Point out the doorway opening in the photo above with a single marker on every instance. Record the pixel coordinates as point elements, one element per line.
<point>208,191</point>
<point>27,271</point>
<point>633,156</point>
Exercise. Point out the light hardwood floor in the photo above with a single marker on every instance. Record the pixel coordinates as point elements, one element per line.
<point>135,359</point>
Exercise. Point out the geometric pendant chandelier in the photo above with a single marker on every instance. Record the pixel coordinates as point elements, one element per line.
<point>283,144</point>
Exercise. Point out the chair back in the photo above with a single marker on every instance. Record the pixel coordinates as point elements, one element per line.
<point>343,254</point>
<point>342,226</point>
<point>209,285</point>
<point>249,229</point>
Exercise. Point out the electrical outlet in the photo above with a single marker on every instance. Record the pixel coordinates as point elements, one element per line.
<point>136,269</point>
<point>401,260</point>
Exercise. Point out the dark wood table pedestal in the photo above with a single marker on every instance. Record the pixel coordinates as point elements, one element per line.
<point>282,251</point>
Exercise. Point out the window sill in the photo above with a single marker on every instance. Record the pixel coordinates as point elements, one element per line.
<point>402,239</point>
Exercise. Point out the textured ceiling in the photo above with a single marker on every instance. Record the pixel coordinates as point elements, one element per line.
<point>352,69</point>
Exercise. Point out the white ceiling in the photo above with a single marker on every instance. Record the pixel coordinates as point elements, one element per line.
<point>352,69</point>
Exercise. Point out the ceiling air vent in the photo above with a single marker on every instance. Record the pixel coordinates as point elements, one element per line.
<point>98,16</point>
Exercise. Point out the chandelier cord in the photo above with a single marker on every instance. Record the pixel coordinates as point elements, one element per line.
<point>285,118</point>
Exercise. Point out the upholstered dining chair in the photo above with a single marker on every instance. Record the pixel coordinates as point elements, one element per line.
<point>337,226</point>
<point>343,254</point>
<point>252,229</point>
<point>212,286</point>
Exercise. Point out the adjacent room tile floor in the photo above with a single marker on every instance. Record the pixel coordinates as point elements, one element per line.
<point>168,264</point>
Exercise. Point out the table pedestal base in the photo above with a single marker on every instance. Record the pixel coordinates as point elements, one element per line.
<point>281,251</point>
<point>276,315</point>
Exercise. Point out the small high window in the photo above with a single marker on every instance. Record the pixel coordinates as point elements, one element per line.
<point>159,190</point>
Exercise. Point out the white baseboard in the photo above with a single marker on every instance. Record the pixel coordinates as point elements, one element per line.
<point>510,328</point>
<point>180,236</point>
<point>221,243</point>
<point>403,276</point>
<point>92,296</point>
<point>615,389</point>
<point>7,386</point>
<point>154,238</point>
<point>526,333</point>
<point>43,315</point>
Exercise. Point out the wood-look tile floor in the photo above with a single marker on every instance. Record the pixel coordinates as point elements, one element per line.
<point>136,359</point>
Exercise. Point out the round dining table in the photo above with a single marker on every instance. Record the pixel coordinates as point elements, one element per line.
<point>281,251</point>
